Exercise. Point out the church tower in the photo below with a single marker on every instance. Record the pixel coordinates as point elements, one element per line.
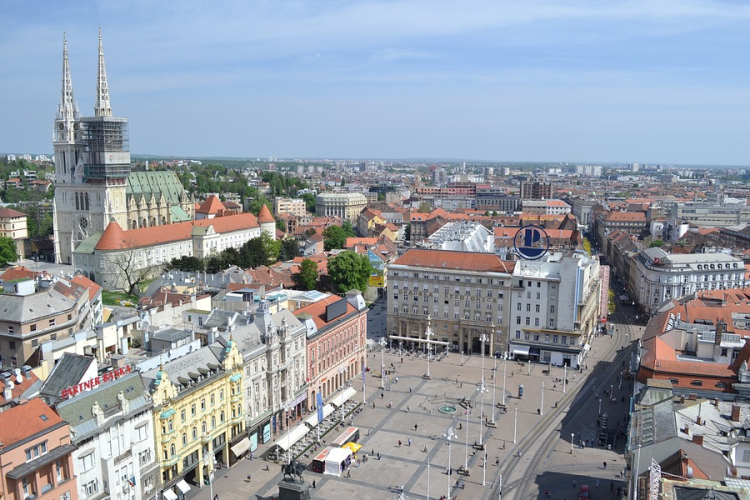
<point>92,164</point>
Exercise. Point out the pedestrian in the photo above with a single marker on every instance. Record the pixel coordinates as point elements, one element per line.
<point>373,405</point>
<point>409,389</point>
<point>605,464</point>
<point>348,473</point>
<point>399,443</point>
<point>415,427</point>
<point>378,455</point>
<point>409,442</point>
<point>251,456</point>
<point>596,485</point>
<point>407,408</point>
<point>574,483</point>
<point>313,483</point>
<point>381,395</point>
<point>216,497</point>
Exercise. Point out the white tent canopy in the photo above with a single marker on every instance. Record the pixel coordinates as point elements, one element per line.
<point>183,486</point>
<point>169,494</point>
<point>312,420</point>
<point>336,456</point>
<point>290,438</point>
<point>241,447</point>
<point>343,397</point>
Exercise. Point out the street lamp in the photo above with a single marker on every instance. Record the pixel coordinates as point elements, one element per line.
<point>287,408</point>
<point>341,370</point>
<point>382,363</point>
<point>449,435</point>
<point>515,426</point>
<point>482,389</point>
<point>571,442</point>
<point>428,478</point>
<point>208,462</point>
<point>541,408</point>
<point>484,470</point>
<point>494,388</point>
<point>600,406</point>
<point>565,377</point>
<point>505,366</point>
<point>466,466</point>
<point>428,333</point>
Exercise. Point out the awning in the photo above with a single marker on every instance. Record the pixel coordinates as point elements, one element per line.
<point>343,397</point>
<point>241,447</point>
<point>312,420</point>
<point>168,494</point>
<point>183,486</point>
<point>290,438</point>
<point>523,350</point>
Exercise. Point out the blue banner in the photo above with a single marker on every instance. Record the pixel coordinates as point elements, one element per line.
<point>319,404</point>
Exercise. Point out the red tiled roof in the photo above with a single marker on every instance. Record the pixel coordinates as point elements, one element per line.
<point>352,241</point>
<point>9,213</point>
<point>212,205</point>
<point>114,238</point>
<point>17,273</point>
<point>626,216</point>
<point>265,215</point>
<point>28,380</point>
<point>318,310</point>
<point>81,280</point>
<point>25,420</point>
<point>446,259</point>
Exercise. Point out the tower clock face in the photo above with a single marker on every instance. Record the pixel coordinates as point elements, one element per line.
<point>61,126</point>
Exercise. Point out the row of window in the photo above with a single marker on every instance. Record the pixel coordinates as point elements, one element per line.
<point>467,279</point>
<point>536,336</point>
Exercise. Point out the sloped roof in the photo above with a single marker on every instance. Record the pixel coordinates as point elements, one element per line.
<point>144,184</point>
<point>67,372</point>
<point>264,216</point>
<point>114,238</point>
<point>9,213</point>
<point>446,259</point>
<point>211,206</point>
<point>81,280</point>
<point>27,419</point>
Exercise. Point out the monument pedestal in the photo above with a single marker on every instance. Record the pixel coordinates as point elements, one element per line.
<point>292,490</point>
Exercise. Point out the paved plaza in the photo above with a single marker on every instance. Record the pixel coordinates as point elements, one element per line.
<point>416,401</point>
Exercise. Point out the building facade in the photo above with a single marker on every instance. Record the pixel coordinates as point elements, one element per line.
<point>347,206</point>
<point>13,226</point>
<point>112,428</point>
<point>36,457</point>
<point>535,190</point>
<point>660,276</point>
<point>198,415</point>
<point>554,308</point>
<point>92,173</point>
<point>336,331</point>
<point>464,294</point>
<point>294,206</point>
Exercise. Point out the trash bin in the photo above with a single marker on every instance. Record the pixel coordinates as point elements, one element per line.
<point>520,391</point>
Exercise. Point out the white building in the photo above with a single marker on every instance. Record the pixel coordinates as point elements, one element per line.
<point>545,207</point>
<point>462,236</point>
<point>661,276</point>
<point>112,427</point>
<point>554,308</point>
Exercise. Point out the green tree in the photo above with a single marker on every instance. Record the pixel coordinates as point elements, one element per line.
<point>187,263</point>
<point>335,237</point>
<point>587,245</point>
<point>289,249</point>
<point>309,202</point>
<point>254,253</point>
<point>348,229</point>
<point>308,274</point>
<point>407,232</point>
<point>424,207</point>
<point>350,271</point>
<point>611,302</point>
<point>657,243</point>
<point>8,252</point>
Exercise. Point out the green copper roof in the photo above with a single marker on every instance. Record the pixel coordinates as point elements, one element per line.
<point>179,214</point>
<point>144,184</point>
<point>87,246</point>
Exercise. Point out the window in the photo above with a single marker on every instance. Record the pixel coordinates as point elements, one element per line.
<point>36,451</point>
<point>552,323</point>
<point>552,309</point>
<point>518,334</point>
<point>528,320</point>
<point>182,414</point>
<point>203,404</point>
<point>536,321</point>
<point>52,322</point>
<point>33,327</point>
<point>518,320</point>
<point>554,339</point>
<point>86,462</point>
<point>538,295</point>
<point>184,439</point>
<point>35,343</point>
<point>697,383</point>
<point>528,307</point>
<point>564,339</point>
<point>518,306</point>
<point>192,409</point>
<point>141,433</point>
<point>12,343</point>
<point>537,308</point>
<point>746,455</point>
<point>720,385</point>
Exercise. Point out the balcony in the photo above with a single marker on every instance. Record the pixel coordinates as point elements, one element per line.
<point>206,438</point>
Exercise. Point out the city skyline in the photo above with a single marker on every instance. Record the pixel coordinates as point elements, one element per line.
<point>649,82</point>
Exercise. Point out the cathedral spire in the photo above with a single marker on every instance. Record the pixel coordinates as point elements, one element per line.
<point>68,109</point>
<point>102,107</point>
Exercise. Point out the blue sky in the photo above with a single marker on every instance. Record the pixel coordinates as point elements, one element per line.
<point>655,81</point>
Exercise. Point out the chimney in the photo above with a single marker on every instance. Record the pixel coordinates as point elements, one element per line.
<point>720,329</point>
<point>698,439</point>
<point>735,413</point>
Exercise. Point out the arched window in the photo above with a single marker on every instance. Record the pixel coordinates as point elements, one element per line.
<point>203,427</point>
<point>77,205</point>
<point>87,202</point>
<point>171,449</point>
<point>134,224</point>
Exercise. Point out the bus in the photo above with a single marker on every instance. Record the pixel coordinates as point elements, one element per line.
<point>350,435</point>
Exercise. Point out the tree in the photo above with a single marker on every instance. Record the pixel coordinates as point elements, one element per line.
<point>424,207</point>
<point>407,232</point>
<point>7,251</point>
<point>187,263</point>
<point>309,202</point>
<point>657,243</point>
<point>611,302</point>
<point>348,229</point>
<point>132,265</point>
<point>350,271</point>
<point>308,274</point>
<point>335,237</point>
<point>289,249</point>
<point>587,245</point>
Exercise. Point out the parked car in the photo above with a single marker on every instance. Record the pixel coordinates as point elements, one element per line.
<point>583,493</point>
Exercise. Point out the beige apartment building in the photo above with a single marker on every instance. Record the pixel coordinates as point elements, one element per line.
<point>344,205</point>
<point>292,206</point>
<point>463,294</point>
<point>13,226</point>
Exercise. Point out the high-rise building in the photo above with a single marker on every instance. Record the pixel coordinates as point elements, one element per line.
<point>535,190</point>
<point>93,182</point>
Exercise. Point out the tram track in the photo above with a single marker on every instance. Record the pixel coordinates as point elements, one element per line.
<point>552,422</point>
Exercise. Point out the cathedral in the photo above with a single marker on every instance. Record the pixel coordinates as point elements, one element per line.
<point>93,181</point>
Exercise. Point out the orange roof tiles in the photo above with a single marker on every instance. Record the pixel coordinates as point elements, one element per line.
<point>445,259</point>
<point>626,216</point>
<point>318,310</point>
<point>17,273</point>
<point>211,206</point>
<point>9,213</point>
<point>114,238</point>
<point>81,280</point>
<point>264,215</point>
<point>25,420</point>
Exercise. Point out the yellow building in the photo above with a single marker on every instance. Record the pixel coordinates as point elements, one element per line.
<point>13,226</point>
<point>198,415</point>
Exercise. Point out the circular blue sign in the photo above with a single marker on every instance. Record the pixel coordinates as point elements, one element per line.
<point>531,242</point>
